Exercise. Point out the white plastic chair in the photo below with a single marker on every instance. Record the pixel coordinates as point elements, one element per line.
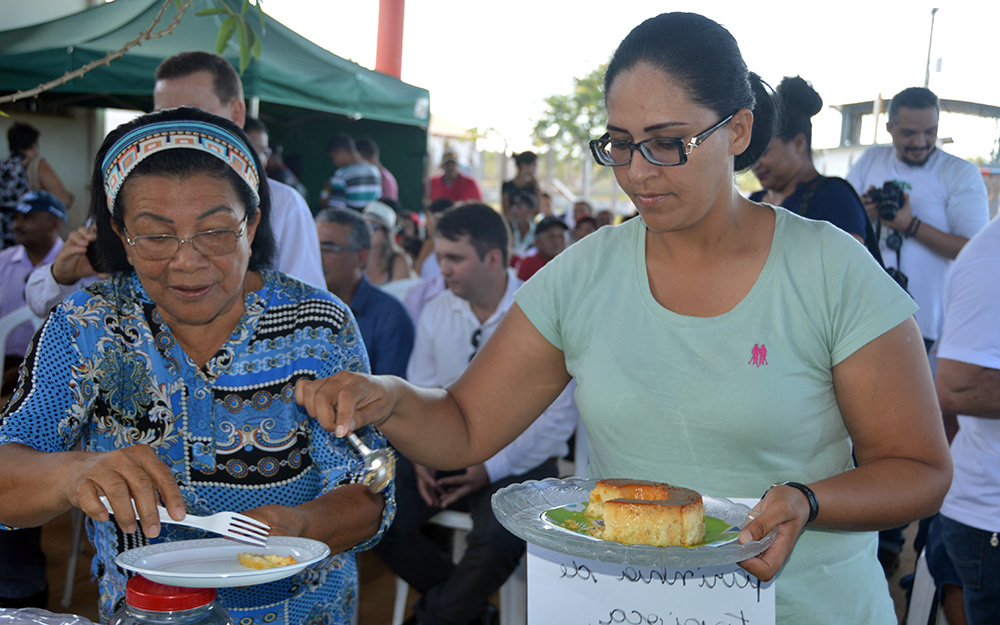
<point>514,592</point>
<point>76,546</point>
<point>12,320</point>
<point>924,598</point>
<point>451,519</point>
<point>398,288</point>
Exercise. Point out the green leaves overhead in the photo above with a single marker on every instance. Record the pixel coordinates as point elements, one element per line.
<point>238,24</point>
<point>225,34</point>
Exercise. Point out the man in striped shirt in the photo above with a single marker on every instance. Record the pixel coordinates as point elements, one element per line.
<point>355,181</point>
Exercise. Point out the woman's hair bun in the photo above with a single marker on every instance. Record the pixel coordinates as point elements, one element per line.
<point>797,97</point>
<point>522,158</point>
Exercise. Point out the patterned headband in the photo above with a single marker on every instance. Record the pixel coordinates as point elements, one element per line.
<point>140,143</point>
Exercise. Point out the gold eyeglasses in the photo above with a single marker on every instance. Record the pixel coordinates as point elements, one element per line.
<point>209,243</point>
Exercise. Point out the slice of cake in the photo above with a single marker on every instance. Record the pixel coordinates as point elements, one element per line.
<point>264,560</point>
<point>638,512</point>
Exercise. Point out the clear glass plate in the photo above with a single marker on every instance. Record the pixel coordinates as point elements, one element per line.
<point>521,509</point>
<point>212,562</point>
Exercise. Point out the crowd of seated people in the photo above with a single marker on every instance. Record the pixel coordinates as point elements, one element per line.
<point>403,292</point>
<point>355,245</point>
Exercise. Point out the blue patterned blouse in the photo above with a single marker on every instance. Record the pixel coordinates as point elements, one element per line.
<point>105,370</point>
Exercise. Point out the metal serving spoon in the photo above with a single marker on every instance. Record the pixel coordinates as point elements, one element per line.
<point>380,464</point>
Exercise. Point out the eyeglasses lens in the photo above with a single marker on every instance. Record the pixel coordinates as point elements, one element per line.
<point>662,151</point>
<point>657,151</point>
<point>212,243</point>
<point>333,248</point>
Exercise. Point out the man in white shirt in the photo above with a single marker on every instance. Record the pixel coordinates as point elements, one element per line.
<point>288,210</point>
<point>206,81</point>
<point>944,204</point>
<point>968,385</point>
<point>945,201</point>
<point>472,242</point>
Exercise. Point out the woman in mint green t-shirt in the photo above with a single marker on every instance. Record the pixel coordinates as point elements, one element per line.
<point>716,343</point>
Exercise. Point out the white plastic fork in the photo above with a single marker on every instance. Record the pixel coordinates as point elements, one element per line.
<point>229,524</point>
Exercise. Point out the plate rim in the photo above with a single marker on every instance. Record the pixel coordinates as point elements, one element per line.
<point>525,521</point>
<point>320,551</point>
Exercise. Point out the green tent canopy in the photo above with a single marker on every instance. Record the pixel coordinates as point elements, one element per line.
<point>305,92</point>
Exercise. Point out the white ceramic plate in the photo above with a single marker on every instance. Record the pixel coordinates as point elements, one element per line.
<point>521,509</point>
<point>212,562</point>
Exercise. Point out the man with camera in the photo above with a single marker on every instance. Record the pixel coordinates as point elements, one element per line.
<point>927,204</point>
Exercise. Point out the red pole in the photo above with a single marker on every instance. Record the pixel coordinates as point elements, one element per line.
<point>389,56</point>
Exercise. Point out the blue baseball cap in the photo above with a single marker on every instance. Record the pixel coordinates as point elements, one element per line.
<point>35,201</point>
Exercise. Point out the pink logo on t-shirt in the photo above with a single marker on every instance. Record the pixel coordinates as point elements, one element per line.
<point>758,355</point>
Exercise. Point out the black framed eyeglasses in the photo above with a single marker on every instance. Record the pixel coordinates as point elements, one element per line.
<point>665,151</point>
<point>209,243</point>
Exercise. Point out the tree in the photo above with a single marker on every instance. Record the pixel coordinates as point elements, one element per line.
<point>570,120</point>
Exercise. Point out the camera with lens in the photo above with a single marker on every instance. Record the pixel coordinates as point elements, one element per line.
<point>889,198</point>
<point>900,277</point>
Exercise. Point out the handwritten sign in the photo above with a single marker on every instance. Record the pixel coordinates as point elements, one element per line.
<point>568,589</point>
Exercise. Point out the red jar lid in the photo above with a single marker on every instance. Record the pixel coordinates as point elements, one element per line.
<point>146,595</point>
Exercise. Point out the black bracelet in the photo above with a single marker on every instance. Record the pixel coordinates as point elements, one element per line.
<point>911,230</point>
<point>810,496</point>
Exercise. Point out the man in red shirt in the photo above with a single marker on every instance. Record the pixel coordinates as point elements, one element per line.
<point>550,241</point>
<point>453,184</point>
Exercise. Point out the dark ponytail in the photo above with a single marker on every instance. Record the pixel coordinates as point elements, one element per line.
<point>765,121</point>
<point>705,58</point>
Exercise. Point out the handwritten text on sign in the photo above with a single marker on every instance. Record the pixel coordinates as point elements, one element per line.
<point>573,590</point>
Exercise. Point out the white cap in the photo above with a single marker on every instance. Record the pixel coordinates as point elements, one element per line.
<point>382,214</point>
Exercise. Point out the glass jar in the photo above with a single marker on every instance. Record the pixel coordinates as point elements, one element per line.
<point>150,603</point>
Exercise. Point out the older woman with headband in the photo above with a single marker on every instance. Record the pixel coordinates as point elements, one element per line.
<point>719,344</point>
<point>177,375</point>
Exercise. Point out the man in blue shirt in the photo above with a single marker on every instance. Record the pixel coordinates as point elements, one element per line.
<point>345,244</point>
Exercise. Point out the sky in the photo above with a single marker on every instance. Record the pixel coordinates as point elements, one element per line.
<point>492,64</point>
